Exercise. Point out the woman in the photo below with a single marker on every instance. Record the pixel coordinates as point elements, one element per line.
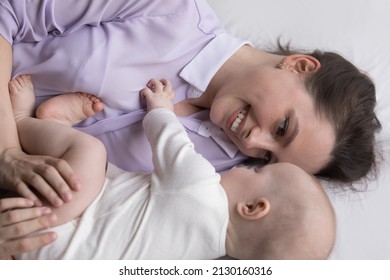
<point>315,110</point>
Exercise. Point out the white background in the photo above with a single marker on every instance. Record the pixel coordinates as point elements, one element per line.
<point>360,31</point>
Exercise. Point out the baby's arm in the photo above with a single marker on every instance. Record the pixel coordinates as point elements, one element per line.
<point>176,163</point>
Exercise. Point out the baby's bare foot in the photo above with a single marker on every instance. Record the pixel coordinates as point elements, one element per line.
<point>70,108</point>
<point>22,96</point>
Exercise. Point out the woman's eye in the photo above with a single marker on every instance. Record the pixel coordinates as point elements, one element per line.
<point>267,157</point>
<point>282,128</point>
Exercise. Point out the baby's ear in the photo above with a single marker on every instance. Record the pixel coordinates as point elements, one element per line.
<point>254,210</point>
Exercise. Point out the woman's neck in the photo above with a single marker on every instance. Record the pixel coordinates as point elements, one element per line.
<point>241,61</point>
<point>186,108</point>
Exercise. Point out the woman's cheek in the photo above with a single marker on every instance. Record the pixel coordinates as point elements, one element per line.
<point>216,116</point>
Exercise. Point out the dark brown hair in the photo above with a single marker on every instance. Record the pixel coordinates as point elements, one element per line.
<point>346,97</point>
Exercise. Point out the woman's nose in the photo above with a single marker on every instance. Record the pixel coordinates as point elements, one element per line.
<point>258,138</point>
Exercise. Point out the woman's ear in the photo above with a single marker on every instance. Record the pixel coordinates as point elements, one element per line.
<point>253,210</point>
<point>301,63</point>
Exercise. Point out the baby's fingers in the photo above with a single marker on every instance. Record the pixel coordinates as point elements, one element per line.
<point>155,85</point>
<point>145,92</point>
<point>167,87</point>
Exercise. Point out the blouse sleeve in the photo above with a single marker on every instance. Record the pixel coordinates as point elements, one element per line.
<point>31,21</point>
<point>176,163</point>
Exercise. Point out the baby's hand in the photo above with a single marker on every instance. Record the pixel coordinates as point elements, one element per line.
<point>158,94</point>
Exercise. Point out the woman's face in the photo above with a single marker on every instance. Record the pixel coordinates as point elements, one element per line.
<point>268,113</point>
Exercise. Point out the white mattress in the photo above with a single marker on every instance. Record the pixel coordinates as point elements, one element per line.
<point>360,31</point>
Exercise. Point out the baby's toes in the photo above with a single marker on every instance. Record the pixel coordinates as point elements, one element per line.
<point>14,87</point>
<point>27,80</point>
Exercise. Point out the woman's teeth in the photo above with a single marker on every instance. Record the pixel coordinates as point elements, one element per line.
<point>238,120</point>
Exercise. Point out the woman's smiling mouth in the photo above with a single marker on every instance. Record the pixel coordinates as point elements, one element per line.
<point>239,120</point>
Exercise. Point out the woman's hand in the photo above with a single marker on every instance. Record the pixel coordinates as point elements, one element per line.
<point>27,175</point>
<point>17,219</point>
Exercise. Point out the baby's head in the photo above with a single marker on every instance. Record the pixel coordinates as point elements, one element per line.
<point>277,212</point>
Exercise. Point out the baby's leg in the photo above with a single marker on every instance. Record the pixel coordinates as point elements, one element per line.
<point>22,97</point>
<point>70,108</point>
<point>84,153</point>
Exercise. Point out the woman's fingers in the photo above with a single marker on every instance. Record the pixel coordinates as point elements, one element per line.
<point>26,244</point>
<point>14,202</point>
<point>67,173</point>
<point>15,224</point>
<point>24,227</point>
<point>55,181</point>
<point>15,210</point>
<point>34,180</point>
<point>28,175</point>
<point>15,216</point>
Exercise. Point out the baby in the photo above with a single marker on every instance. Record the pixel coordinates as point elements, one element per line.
<point>184,209</point>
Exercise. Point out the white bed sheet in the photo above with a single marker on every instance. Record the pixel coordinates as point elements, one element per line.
<point>359,30</point>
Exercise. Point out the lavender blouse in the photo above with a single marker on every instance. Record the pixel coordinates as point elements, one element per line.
<point>111,48</point>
